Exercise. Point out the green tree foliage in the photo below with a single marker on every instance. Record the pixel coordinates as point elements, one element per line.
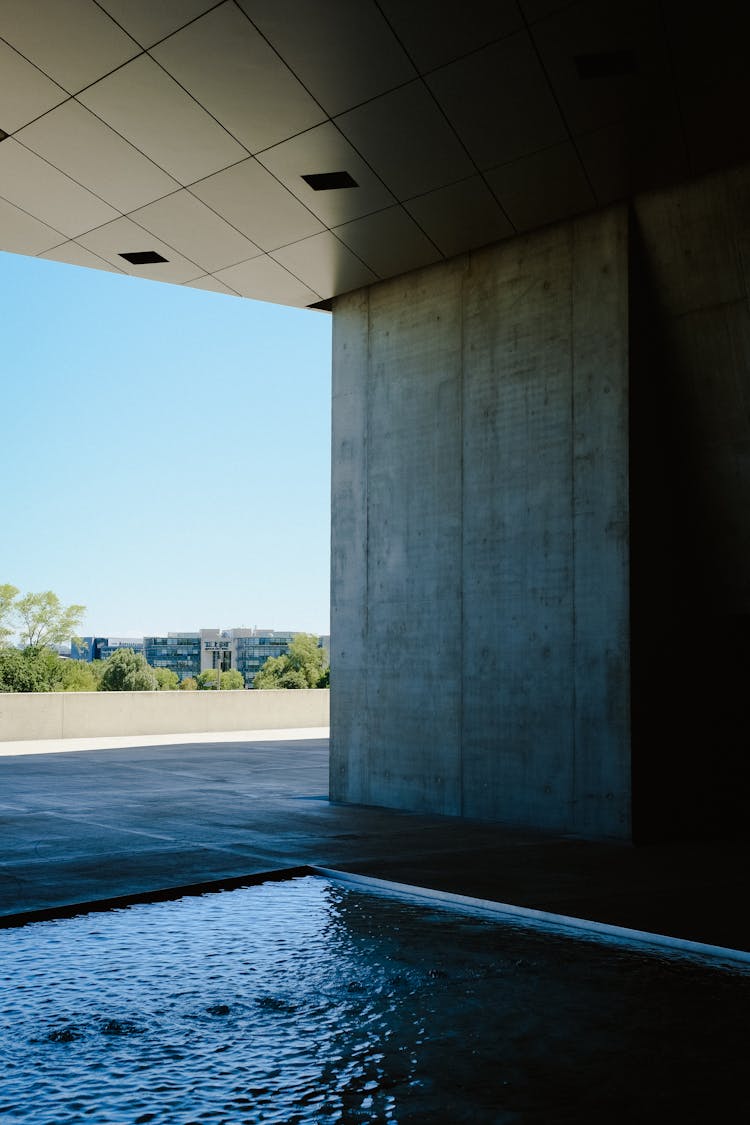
<point>8,595</point>
<point>126,670</point>
<point>230,681</point>
<point>166,679</point>
<point>304,666</point>
<point>77,675</point>
<point>188,684</point>
<point>23,671</point>
<point>45,620</point>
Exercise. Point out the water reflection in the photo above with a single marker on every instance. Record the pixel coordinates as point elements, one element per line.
<point>307,1002</point>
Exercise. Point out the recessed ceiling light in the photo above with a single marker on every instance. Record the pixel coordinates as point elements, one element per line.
<point>606,64</point>
<point>142,257</point>
<point>327,181</point>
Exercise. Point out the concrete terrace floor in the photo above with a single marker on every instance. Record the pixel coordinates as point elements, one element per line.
<point>89,820</point>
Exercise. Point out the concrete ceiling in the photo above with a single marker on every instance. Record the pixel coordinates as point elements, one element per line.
<point>185,128</point>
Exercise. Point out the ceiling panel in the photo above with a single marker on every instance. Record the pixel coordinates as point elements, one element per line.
<point>623,157</point>
<point>542,188</point>
<point>535,10</point>
<point>73,42</point>
<point>249,198</point>
<point>461,216</point>
<point>390,242</point>
<point>32,184</point>
<point>500,102</point>
<point>23,234</point>
<point>150,110</point>
<point>625,42</point>
<point>464,27</point>
<point>148,22</point>
<point>211,284</point>
<point>74,255</point>
<point>123,236</point>
<point>78,143</point>
<point>343,52</point>
<point>325,264</point>
<point>265,280</point>
<point>24,91</point>
<point>324,149</point>
<point>223,62</point>
<point>183,221</point>
<point>418,154</point>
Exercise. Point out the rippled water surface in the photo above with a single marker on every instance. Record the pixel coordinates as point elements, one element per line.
<point>306,1001</point>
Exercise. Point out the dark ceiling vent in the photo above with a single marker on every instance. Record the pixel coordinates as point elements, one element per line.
<point>143,257</point>
<point>328,181</point>
<point>606,64</point>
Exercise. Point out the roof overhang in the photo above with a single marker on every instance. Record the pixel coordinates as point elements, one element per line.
<point>293,150</point>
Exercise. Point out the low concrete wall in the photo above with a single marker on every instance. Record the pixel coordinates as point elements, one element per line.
<point>90,714</point>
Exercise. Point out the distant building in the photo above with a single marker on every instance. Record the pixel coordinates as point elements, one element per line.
<point>99,648</point>
<point>179,652</point>
<point>188,654</point>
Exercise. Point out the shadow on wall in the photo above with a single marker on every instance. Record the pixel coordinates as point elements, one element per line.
<point>690,475</point>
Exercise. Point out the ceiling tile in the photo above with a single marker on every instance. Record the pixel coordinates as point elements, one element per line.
<point>199,233</point>
<point>461,216</point>
<point>712,76</point>
<point>230,69</point>
<point>75,255</point>
<point>535,10</point>
<point>265,280</point>
<point>630,33</point>
<point>31,183</point>
<point>25,92</point>
<point>325,264</point>
<point>406,139</point>
<point>23,234</point>
<point>123,236</point>
<point>74,42</point>
<point>542,188</point>
<point>148,22</point>
<point>459,29</point>
<point>344,53</point>
<point>390,242</point>
<point>499,101</point>
<point>149,109</point>
<point>211,285</point>
<point>323,149</point>
<point>78,143</point>
<point>624,157</point>
<point>249,198</point>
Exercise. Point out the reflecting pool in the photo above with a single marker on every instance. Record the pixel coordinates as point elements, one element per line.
<point>314,1001</point>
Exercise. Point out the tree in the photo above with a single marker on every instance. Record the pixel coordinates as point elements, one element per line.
<point>303,666</point>
<point>8,595</point>
<point>45,620</point>
<point>230,681</point>
<point>77,675</point>
<point>21,671</point>
<point>188,684</point>
<point>126,670</point>
<point>166,679</point>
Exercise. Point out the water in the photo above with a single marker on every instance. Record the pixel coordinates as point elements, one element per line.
<point>308,1001</point>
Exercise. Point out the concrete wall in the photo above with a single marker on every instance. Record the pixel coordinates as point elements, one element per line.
<point>690,343</point>
<point>90,714</point>
<point>480,639</point>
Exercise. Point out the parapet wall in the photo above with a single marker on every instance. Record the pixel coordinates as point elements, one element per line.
<point>91,714</point>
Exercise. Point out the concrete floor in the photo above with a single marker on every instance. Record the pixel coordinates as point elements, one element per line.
<point>89,820</point>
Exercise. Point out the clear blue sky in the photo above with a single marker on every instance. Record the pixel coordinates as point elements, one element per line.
<point>164,452</point>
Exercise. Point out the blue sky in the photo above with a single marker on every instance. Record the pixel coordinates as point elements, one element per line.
<point>164,453</point>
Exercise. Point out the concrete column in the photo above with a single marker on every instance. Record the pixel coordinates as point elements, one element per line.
<point>480,535</point>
